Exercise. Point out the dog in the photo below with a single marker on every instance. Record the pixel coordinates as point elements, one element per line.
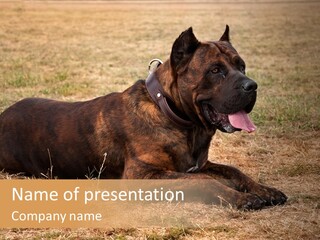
<point>159,128</point>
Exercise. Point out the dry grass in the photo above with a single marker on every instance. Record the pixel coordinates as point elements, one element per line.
<point>80,51</point>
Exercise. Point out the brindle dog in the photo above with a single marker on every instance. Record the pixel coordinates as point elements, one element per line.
<point>160,128</point>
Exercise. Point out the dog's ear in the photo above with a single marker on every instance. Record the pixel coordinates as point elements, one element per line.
<point>182,50</point>
<point>225,35</point>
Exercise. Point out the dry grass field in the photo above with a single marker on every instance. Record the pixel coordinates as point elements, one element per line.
<point>77,51</point>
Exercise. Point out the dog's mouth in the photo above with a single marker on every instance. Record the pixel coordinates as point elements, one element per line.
<point>227,122</point>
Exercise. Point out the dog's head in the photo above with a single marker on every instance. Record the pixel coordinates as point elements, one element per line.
<point>211,82</point>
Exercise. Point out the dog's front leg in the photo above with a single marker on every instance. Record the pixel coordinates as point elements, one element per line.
<point>237,180</point>
<point>209,191</point>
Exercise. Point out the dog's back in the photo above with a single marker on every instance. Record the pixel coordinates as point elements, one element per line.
<point>41,135</point>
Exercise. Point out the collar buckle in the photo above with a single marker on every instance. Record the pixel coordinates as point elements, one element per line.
<point>157,94</point>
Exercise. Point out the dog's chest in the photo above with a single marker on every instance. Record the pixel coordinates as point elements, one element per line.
<point>192,152</point>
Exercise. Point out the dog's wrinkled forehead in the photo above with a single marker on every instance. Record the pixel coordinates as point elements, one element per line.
<point>224,48</point>
<point>221,50</point>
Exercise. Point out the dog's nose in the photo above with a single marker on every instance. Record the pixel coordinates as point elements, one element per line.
<point>249,86</point>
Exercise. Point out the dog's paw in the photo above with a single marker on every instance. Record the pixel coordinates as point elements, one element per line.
<point>249,201</point>
<point>271,196</point>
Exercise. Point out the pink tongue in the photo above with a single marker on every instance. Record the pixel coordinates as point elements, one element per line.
<point>242,121</point>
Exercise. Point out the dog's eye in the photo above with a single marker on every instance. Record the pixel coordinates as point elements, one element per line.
<point>218,70</point>
<point>215,70</point>
<point>243,69</point>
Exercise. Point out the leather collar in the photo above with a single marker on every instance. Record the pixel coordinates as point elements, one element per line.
<point>161,100</point>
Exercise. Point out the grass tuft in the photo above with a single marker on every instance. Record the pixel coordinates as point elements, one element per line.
<point>300,169</point>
